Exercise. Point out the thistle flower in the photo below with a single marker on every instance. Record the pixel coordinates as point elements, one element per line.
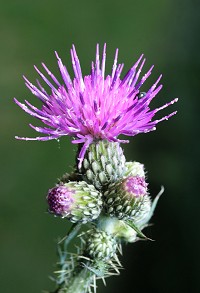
<point>95,106</point>
<point>77,201</point>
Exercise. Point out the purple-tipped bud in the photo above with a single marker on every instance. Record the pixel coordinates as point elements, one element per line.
<point>135,186</point>
<point>126,198</point>
<point>60,200</point>
<point>77,201</point>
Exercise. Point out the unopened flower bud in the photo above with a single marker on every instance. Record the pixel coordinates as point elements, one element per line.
<point>100,245</point>
<point>77,201</point>
<point>104,163</point>
<point>134,169</point>
<point>126,198</point>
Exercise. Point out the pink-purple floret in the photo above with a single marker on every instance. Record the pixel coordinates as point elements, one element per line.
<point>94,106</point>
<point>60,200</point>
<point>135,186</point>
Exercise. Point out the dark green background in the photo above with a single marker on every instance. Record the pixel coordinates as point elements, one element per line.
<point>167,32</point>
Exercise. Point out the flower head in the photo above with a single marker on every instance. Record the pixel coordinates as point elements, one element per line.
<point>60,200</point>
<point>95,106</point>
<point>125,199</point>
<point>77,201</point>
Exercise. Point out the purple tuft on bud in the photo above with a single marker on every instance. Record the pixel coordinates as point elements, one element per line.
<point>135,186</point>
<point>60,200</point>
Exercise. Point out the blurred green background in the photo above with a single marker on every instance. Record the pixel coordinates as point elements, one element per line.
<point>167,32</point>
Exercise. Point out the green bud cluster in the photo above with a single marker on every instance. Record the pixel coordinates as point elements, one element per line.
<point>109,195</point>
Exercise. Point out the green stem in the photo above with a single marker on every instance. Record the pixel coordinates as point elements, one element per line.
<point>79,283</point>
<point>71,234</point>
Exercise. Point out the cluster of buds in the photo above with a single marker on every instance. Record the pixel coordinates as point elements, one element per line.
<point>107,192</point>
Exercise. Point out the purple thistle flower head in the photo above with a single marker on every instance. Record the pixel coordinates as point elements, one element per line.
<point>135,186</point>
<point>76,201</point>
<point>126,198</point>
<point>60,200</point>
<point>95,106</point>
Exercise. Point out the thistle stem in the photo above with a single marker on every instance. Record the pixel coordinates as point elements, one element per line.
<point>79,283</point>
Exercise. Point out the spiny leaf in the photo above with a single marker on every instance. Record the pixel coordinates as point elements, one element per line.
<point>154,204</point>
<point>139,232</point>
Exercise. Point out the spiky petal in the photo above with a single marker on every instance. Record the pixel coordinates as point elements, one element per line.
<point>95,106</point>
